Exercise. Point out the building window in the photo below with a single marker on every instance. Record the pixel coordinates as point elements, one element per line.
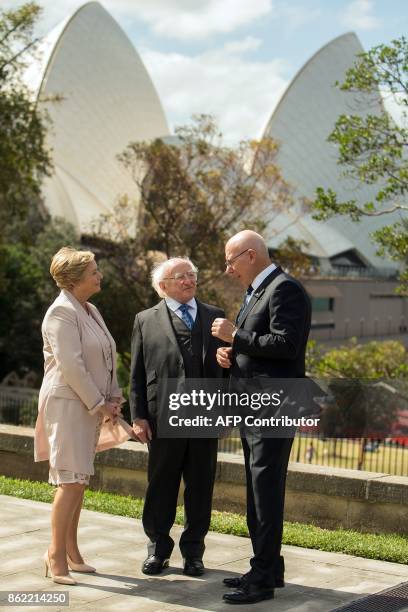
<point>322,304</point>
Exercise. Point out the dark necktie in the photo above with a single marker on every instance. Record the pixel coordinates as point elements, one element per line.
<point>186,316</point>
<point>245,301</point>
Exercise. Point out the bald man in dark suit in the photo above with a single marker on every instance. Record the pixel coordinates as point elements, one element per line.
<point>268,340</point>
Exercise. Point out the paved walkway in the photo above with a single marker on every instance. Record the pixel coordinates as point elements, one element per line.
<point>316,581</point>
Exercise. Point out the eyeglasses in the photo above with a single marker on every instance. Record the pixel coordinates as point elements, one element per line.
<point>229,262</point>
<point>182,276</point>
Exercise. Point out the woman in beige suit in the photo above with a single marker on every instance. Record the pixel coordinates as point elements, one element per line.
<point>79,403</point>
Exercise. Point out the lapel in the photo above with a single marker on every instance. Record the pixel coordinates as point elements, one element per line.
<point>165,323</point>
<point>98,317</point>
<point>205,325</point>
<point>84,317</point>
<point>80,310</point>
<point>257,294</point>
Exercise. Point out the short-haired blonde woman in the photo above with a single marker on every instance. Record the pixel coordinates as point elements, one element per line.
<point>79,403</point>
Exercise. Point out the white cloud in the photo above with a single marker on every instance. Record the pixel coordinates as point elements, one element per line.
<point>241,93</point>
<point>358,15</point>
<point>186,20</point>
<point>173,19</point>
<point>295,16</point>
<point>223,81</point>
<point>249,43</point>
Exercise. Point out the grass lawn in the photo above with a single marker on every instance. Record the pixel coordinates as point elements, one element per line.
<point>386,547</point>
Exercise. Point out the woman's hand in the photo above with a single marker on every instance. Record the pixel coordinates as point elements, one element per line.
<point>111,410</point>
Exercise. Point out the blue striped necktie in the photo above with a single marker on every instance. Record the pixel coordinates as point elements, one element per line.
<point>245,301</point>
<point>186,316</point>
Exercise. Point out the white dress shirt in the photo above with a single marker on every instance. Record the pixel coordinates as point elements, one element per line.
<point>259,279</point>
<point>174,305</point>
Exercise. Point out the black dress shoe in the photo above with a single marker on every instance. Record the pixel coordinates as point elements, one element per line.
<point>248,594</point>
<point>154,565</point>
<point>237,582</point>
<point>193,566</point>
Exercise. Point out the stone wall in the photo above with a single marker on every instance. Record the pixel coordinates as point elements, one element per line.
<point>328,497</point>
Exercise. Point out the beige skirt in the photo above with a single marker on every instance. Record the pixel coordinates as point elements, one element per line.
<point>60,477</point>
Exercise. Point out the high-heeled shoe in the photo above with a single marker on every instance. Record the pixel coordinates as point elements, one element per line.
<point>84,568</point>
<point>67,579</point>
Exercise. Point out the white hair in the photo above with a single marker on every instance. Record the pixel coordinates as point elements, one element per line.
<point>160,269</point>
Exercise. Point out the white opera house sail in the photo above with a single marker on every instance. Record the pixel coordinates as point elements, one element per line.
<point>302,122</point>
<point>107,100</point>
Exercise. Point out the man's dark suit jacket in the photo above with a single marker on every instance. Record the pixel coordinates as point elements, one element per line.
<point>270,342</point>
<point>156,355</point>
<point>273,330</point>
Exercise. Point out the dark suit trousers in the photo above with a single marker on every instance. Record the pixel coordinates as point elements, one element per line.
<point>195,461</point>
<point>266,461</point>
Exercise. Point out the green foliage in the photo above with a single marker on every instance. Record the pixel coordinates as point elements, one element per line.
<point>26,290</point>
<point>374,360</point>
<point>372,148</point>
<point>365,403</point>
<point>383,67</point>
<point>123,367</point>
<point>19,304</point>
<point>123,370</point>
<point>385,547</point>
<point>23,154</point>
<point>314,353</point>
<point>291,256</point>
<point>16,37</point>
<point>24,159</point>
<point>29,237</point>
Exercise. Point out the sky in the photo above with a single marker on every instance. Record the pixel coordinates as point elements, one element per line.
<point>234,58</point>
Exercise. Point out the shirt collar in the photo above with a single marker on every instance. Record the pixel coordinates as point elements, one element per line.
<point>174,304</point>
<point>259,279</point>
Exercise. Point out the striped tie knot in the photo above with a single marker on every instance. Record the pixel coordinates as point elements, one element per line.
<point>186,316</point>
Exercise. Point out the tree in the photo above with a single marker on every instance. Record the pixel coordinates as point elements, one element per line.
<point>24,157</point>
<point>291,256</point>
<point>194,194</point>
<point>373,148</point>
<point>29,237</point>
<point>373,360</point>
<point>368,386</point>
<point>26,291</point>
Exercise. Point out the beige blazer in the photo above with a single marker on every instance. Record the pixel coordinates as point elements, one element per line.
<point>76,380</point>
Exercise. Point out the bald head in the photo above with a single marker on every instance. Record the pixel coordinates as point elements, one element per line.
<point>246,255</point>
<point>248,239</point>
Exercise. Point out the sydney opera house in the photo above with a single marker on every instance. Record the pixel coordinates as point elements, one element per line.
<point>301,122</point>
<point>108,100</point>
